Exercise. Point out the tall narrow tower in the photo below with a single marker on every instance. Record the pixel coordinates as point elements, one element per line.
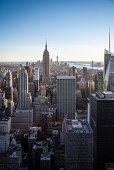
<point>109,39</point>
<point>46,65</point>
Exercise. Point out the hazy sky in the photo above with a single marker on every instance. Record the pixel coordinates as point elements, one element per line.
<point>75,29</point>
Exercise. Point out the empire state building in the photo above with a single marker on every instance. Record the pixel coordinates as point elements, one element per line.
<point>46,66</point>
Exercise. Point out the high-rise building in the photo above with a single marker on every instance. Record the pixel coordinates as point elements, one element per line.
<point>83,86</point>
<point>9,79</point>
<point>107,56</point>
<point>100,81</point>
<point>5,126</point>
<point>57,58</point>
<point>45,162</point>
<point>78,140</point>
<point>9,88</point>
<point>102,123</point>
<point>85,73</point>
<point>36,80</point>
<point>24,96</point>
<point>66,96</point>
<point>23,116</point>
<point>109,76</point>
<point>46,66</point>
<point>22,119</point>
<point>91,87</point>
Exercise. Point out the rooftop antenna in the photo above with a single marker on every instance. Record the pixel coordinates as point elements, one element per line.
<point>46,45</point>
<point>109,39</point>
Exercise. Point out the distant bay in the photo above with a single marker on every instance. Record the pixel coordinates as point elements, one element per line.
<point>81,64</point>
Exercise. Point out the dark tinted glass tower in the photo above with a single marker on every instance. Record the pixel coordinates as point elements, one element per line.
<point>107,56</point>
<point>102,123</point>
<point>109,76</point>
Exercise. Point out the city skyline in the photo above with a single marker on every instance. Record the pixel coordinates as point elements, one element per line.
<point>75,30</point>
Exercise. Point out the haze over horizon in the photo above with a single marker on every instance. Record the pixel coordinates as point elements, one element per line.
<point>75,30</point>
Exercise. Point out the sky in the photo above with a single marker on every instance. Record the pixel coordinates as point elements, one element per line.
<point>75,30</point>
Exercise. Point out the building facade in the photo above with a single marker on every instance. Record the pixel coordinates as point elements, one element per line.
<point>100,81</point>
<point>78,140</point>
<point>24,97</point>
<point>102,123</point>
<point>109,76</point>
<point>107,56</point>
<point>66,96</point>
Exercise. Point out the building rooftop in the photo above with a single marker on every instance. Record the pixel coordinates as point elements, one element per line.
<point>45,157</point>
<point>103,95</point>
<point>14,155</point>
<point>109,165</point>
<point>33,132</point>
<point>4,118</point>
<point>66,77</point>
<point>77,126</point>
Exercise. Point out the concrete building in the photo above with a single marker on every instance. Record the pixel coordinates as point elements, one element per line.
<point>9,79</point>
<point>16,157</point>
<point>24,97</point>
<point>31,89</point>
<point>66,96</point>
<point>5,126</point>
<point>78,140</point>
<point>10,108</point>
<point>91,87</point>
<point>4,161</point>
<point>109,166</point>
<point>22,119</point>
<point>84,74</point>
<point>46,66</point>
<point>102,123</point>
<point>3,101</point>
<point>100,81</point>
<point>36,80</point>
<point>4,141</point>
<point>41,111</point>
<point>45,162</point>
<point>9,87</point>
<point>83,86</point>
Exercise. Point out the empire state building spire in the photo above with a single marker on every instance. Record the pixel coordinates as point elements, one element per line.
<point>46,45</point>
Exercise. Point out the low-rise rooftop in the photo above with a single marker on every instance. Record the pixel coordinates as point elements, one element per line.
<point>108,95</point>
<point>77,126</point>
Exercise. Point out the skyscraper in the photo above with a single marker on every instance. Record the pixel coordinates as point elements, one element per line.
<point>107,56</point>
<point>100,81</point>
<point>78,140</point>
<point>23,116</point>
<point>109,76</point>
<point>102,123</point>
<point>46,66</point>
<point>85,73</point>
<point>9,88</point>
<point>9,79</point>
<point>24,96</point>
<point>66,99</point>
